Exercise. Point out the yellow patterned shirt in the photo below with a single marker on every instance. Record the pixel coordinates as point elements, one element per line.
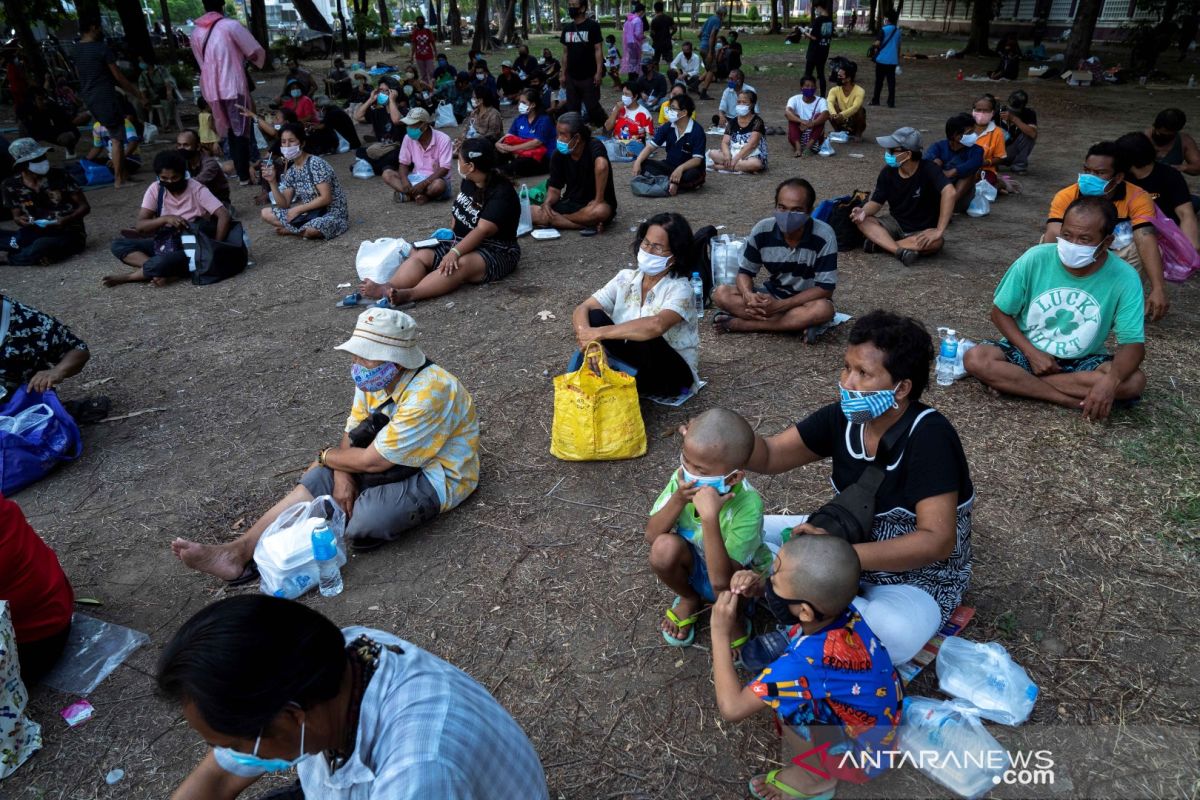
<point>433,427</point>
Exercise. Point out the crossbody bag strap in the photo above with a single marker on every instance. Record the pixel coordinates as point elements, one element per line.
<point>207,39</point>
<point>891,36</point>
<point>872,477</point>
<point>161,190</point>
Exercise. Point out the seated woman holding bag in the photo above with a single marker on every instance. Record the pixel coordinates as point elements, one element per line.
<point>527,147</point>
<point>916,557</point>
<point>645,317</point>
<point>169,206</point>
<point>307,201</point>
<point>410,450</point>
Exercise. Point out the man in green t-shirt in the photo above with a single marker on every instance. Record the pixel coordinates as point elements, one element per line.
<point>1055,307</point>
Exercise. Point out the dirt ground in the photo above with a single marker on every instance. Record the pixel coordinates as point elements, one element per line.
<point>1084,535</point>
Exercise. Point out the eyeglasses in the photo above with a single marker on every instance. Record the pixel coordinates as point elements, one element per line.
<point>656,249</point>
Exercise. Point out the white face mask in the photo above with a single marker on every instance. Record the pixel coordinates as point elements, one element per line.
<point>1076,256</point>
<point>461,174</point>
<point>626,99</point>
<point>741,110</point>
<point>651,264</point>
<point>523,108</point>
<point>969,139</point>
<point>672,115</point>
<point>290,152</point>
<point>39,167</point>
<point>474,103</point>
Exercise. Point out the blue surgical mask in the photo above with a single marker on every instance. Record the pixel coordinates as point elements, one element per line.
<point>381,99</point>
<point>890,160</point>
<point>374,379</point>
<point>718,482</point>
<point>248,765</point>
<point>731,84</point>
<point>413,133</point>
<point>296,92</point>
<point>790,221</point>
<point>1092,185</point>
<point>563,147</point>
<point>862,407</point>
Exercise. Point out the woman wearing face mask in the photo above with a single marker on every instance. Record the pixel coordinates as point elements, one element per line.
<point>806,113</point>
<point>989,137</point>
<point>47,206</point>
<point>683,144</point>
<point>917,563</point>
<point>299,103</point>
<point>744,145</point>
<point>158,87</point>
<point>959,157</point>
<point>485,216</point>
<point>484,121</point>
<point>645,317</point>
<point>482,76</point>
<point>307,201</point>
<point>269,683</point>
<point>628,118</point>
<point>525,150</point>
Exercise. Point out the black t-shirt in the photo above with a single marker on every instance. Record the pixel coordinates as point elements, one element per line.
<point>822,28</point>
<point>381,123</point>
<point>654,86</point>
<point>501,207</point>
<point>579,177</point>
<point>509,84</point>
<point>733,56</point>
<point>913,202</point>
<point>1167,186</point>
<point>660,29</point>
<point>580,40</point>
<point>931,458</point>
<point>1026,115</point>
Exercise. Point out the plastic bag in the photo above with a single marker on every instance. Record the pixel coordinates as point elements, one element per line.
<point>20,736</point>
<point>259,139</point>
<point>618,151</point>
<point>94,649</point>
<point>149,133</point>
<point>651,186</point>
<point>378,260</point>
<point>725,254</point>
<point>343,145</point>
<point>985,675</point>
<point>827,147</point>
<point>986,189</point>
<point>969,759</point>
<point>1179,259</point>
<point>95,174</point>
<point>596,413</point>
<point>526,223</point>
<point>841,137</point>
<point>284,553</point>
<point>362,169</point>
<point>981,203</point>
<point>32,417</point>
<point>37,441</point>
<point>443,116</point>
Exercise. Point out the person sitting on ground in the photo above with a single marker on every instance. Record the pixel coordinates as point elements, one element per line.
<point>39,596</point>
<point>806,114</point>
<point>337,80</point>
<point>525,150</point>
<point>419,93</point>
<point>645,318</point>
<point>579,192</point>
<point>299,103</point>
<point>169,207</point>
<point>483,76</point>
<point>1009,50</point>
<point>917,559</point>
<point>423,169</point>
<point>959,157</point>
<point>652,85</point>
<point>744,145</point>
<point>551,67</point>
<point>459,93</point>
<point>444,73</point>
<point>1165,185</point>
<point>484,249</point>
<point>1020,132</point>
<point>330,123</point>
<point>678,89</point>
<point>846,111</point>
<point>525,64</point>
<point>628,119</point>
<point>267,681</point>
<point>382,111</point>
<point>484,120</point>
<point>688,67</point>
<point>37,351</point>
<point>988,137</point>
<point>726,108</point>
<point>707,492</point>
<point>800,256</point>
<point>1173,146</point>
<point>539,86</point>
<point>1135,240</point>
<point>920,201</point>
<point>308,201</point>
<point>201,167</point>
<point>47,205</point>
<point>831,646</point>
<point>362,87</point>
<point>105,147</point>
<point>44,120</point>
<point>509,83</point>
<point>1055,307</point>
<point>682,141</point>
<point>299,75</point>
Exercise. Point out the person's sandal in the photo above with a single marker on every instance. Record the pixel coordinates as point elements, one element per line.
<point>688,624</point>
<point>249,575</point>
<point>907,257</point>
<point>772,779</point>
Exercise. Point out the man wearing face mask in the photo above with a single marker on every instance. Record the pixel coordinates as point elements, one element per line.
<point>201,167</point>
<point>583,62</point>
<point>652,85</point>
<point>423,169</point>
<point>579,192</point>
<point>800,256</point>
<point>919,198</point>
<point>1174,147</point>
<point>959,157</point>
<point>1135,240</point>
<point>47,206</point>
<point>1055,307</point>
<point>1021,130</point>
<point>382,110</point>
<point>688,67</point>
<point>729,98</point>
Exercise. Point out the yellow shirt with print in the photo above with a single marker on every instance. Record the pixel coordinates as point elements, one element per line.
<point>433,427</point>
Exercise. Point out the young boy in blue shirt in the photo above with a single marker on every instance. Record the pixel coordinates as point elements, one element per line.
<point>707,523</point>
<point>959,157</point>
<point>835,673</point>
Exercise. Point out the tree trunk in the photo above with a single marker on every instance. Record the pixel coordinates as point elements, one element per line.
<point>385,29</point>
<point>341,15</point>
<point>775,16</point>
<point>981,29</point>
<point>441,28</point>
<point>360,8</point>
<point>482,40</point>
<point>258,27</point>
<point>15,17</point>
<point>695,11</point>
<point>1082,30</point>
<point>166,21</point>
<point>557,16</point>
<point>525,18</point>
<point>137,34</point>
<point>871,26</point>
<point>537,17</point>
<point>454,20</point>
<point>508,23</point>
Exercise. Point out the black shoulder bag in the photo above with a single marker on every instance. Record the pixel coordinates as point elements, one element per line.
<point>364,433</point>
<point>851,514</point>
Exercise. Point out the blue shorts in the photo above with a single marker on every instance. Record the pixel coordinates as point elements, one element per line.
<point>1015,356</point>
<point>698,580</point>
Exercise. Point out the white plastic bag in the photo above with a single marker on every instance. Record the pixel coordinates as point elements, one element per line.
<point>378,260</point>
<point>969,758</point>
<point>725,254</point>
<point>343,145</point>
<point>149,133</point>
<point>362,169</point>
<point>443,116</point>
<point>841,137</point>
<point>93,650</point>
<point>985,675</point>
<point>284,553</point>
<point>526,224</point>
<point>981,203</point>
<point>259,139</point>
<point>30,418</point>
<point>827,148</point>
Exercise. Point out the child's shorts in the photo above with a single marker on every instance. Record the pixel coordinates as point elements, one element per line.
<point>698,580</point>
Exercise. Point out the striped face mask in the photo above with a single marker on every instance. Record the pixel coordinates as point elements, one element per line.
<point>862,407</point>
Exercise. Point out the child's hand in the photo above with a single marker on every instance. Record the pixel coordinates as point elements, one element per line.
<point>747,583</point>
<point>708,502</point>
<point>685,492</point>
<point>724,616</point>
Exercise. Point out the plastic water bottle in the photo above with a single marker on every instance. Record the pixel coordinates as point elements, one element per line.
<point>698,295</point>
<point>294,586</point>
<point>325,552</point>
<point>947,357</point>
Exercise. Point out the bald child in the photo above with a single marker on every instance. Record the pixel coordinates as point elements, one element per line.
<point>707,523</point>
<point>834,684</point>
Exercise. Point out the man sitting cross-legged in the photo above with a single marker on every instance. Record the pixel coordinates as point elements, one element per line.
<point>800,254</point>
<point>1055,307</point>
<point>422,170</point>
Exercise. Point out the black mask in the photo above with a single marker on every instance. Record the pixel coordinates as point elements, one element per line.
<point>175,187</point>
<point>779,607</point>
<point>186,155</point>
<point>1162,139</point>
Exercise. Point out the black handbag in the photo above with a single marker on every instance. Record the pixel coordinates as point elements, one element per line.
<point>364,433</point>
<point>214,260</point>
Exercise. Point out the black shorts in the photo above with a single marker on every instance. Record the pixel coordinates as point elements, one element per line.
<point>663,51</point>
<point>499,258</point>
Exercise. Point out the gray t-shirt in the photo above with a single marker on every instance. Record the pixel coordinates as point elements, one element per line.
<point>96,83</point>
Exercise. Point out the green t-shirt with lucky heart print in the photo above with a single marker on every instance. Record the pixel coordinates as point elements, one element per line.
<point>741,524</point>
<point>1067,316</point>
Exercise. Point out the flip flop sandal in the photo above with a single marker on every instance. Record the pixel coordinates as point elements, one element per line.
<point>349,301</point>
<point>249,574</point>
<point>588,232</point>
<point>721,321</point>
<point>689,624</point>
<point>736,643</point>
<point>772,779</point>
<point>89,409</point>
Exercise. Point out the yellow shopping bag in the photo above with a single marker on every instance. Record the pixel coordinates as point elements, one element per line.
<point>596,413</point>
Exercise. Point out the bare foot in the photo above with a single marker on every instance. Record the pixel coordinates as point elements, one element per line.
<point>220,561</point>
<point>312,233</point>
<point>158,283</point>
<point>421,199</point>
<point>398,297</point>
<point>117,279</point>
<point>684,609</point>
<point>283,232</point>
<point>370,289</point>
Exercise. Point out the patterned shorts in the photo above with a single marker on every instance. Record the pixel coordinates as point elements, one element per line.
<point>499,258</point>
<point>1015,356</point>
